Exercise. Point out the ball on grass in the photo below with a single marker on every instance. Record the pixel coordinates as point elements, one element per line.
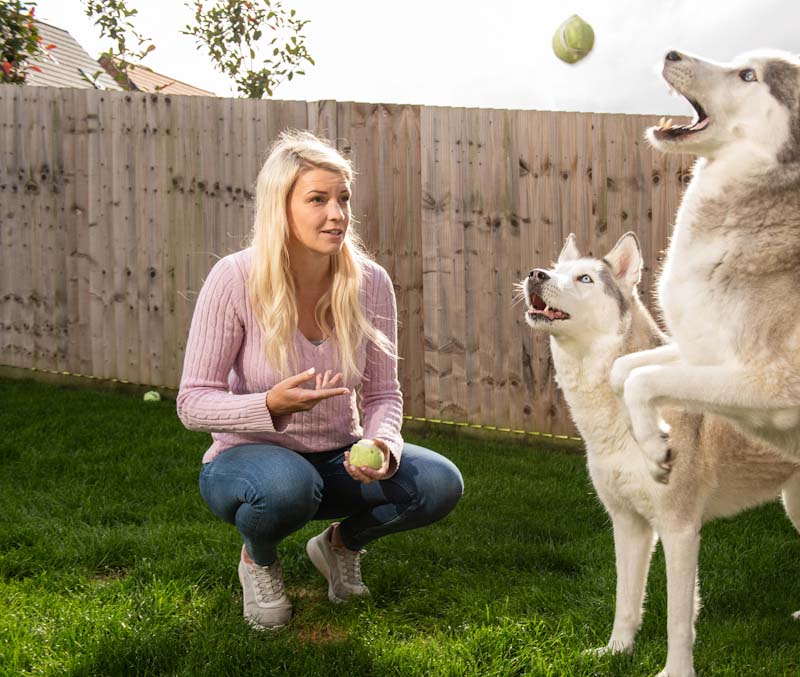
<point>367,453</point>
<point>151,396</point>
<point>573,39</point>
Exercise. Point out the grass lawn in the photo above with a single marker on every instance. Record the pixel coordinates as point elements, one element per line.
<point>110,564</point>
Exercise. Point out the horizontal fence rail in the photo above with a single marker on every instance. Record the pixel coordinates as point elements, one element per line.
<point>115,205</point>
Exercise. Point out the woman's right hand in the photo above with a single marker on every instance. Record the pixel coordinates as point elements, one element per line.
<point>289,396</point>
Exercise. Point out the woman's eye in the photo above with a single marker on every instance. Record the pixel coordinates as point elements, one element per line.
<point>345,198</point>
<point>748,75</point>
<point>585,279</point>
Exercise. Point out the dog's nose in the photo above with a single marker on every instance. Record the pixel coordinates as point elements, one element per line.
<point>538,274</point>
<point>672,55</point>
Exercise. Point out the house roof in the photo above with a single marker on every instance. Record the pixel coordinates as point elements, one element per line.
<point>146,80</point>
<point>62,67</point>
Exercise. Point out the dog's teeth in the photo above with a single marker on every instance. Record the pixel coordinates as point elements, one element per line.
<point>661,122</point>
<point>669,122</point>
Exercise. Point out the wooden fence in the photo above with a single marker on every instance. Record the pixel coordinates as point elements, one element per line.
<point>114,205</point>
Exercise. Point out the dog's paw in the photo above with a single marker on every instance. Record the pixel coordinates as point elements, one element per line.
<point>610,648</point>
<point>658,457</point>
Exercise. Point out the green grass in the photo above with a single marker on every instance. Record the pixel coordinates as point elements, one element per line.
<point>110,564</point>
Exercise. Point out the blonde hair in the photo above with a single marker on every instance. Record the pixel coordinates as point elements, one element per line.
<point>271,285</point>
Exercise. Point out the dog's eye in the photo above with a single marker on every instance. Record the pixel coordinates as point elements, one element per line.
<point>748,75</point>
<point>585,279</point>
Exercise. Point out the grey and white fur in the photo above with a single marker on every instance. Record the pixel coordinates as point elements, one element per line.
<point>592,312</point>
<point>729,290</point>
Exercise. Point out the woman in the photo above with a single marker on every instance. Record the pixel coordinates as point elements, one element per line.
<point>287,337</point>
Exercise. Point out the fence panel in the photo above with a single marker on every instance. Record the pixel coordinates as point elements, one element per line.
<point>114,206</point>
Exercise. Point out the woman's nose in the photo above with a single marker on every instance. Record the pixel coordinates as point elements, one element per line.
<point>335,211</point>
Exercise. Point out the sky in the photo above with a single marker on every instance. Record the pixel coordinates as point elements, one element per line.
<point>464,53</point>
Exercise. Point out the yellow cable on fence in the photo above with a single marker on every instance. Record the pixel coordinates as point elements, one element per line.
<point>493,428</point>
<point>438,421</point>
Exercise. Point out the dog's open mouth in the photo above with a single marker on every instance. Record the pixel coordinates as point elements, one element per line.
<point>538,309</point>
<point>667,131</point>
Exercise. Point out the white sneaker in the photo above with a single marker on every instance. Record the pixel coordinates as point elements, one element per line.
<point>266,605</point>
<point>340,566</point>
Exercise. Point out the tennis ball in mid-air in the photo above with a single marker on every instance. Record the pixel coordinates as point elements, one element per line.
<point>366,453</point>
<point>573,39</point>
<point>151,396</point>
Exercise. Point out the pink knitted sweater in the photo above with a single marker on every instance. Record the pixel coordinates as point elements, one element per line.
<point>226,375</point>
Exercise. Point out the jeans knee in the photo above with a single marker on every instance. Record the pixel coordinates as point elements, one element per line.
<point>453,487</point>
<point>442,490</point>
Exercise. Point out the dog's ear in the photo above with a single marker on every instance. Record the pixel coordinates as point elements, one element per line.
<point>625,260</point>
<point>569,252</point>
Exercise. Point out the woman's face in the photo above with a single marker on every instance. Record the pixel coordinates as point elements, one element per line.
<point>318,211</point>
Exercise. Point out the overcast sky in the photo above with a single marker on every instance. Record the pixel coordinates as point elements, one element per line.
<point>494,54</point>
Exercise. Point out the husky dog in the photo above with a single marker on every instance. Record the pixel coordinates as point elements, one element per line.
<point>730,283</point>
<point>592,312</point>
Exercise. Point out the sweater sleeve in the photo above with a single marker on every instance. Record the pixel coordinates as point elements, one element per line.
<point>379,396</point>
<point>204,402</point>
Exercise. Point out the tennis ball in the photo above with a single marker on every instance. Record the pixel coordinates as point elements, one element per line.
<point>573,39</point>
<point>151,396</point>
<point>367,453</point>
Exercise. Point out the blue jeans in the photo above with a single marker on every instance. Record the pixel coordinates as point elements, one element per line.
<point>269,492</point>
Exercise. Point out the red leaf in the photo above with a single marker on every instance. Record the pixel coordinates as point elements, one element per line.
<point>36,68</point>
<point>51,46</point>
<point>6,67</point>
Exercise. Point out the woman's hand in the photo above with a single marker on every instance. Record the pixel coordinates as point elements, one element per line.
<point>290,396</point>
<point>366,474</point>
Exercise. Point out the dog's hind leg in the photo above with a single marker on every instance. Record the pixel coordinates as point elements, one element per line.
<point>634,540</point>
<point>791,503</point>
<point>681,550</point>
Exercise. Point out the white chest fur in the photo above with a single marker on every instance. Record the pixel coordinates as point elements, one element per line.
<point>614,459</point>
<point>700,316</point>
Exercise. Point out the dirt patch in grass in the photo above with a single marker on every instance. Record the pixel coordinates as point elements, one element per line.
<point>110,574</point>
<point>320,635</point>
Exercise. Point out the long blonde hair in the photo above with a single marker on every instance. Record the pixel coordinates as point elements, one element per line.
<point>271,285</point>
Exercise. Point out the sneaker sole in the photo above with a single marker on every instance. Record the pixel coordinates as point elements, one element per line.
<point>317,558</point>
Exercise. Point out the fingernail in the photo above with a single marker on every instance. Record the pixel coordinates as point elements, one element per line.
<point>311,371</point>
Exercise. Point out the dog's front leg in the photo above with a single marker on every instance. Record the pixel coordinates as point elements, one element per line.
<point>623,366</point>
<point>726,390</point>
<point>634,540</point>
<point>681,548</point>
<point>642,388</point>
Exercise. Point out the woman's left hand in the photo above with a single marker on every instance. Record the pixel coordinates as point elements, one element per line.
<point>365,474</point>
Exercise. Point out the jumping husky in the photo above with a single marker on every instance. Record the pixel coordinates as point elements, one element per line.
<point>730,287</point>
<point>592,312</point>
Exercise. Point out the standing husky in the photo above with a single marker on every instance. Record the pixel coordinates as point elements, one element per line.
<point>730,288</point>
<point>593,314</point>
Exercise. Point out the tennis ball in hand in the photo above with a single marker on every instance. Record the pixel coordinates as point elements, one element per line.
<point>367,453</point>
<point>573,39</point>
<point>151,396</point>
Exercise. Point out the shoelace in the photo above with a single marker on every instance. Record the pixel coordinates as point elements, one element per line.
<point>350,564</point>
<point>268,586</point>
